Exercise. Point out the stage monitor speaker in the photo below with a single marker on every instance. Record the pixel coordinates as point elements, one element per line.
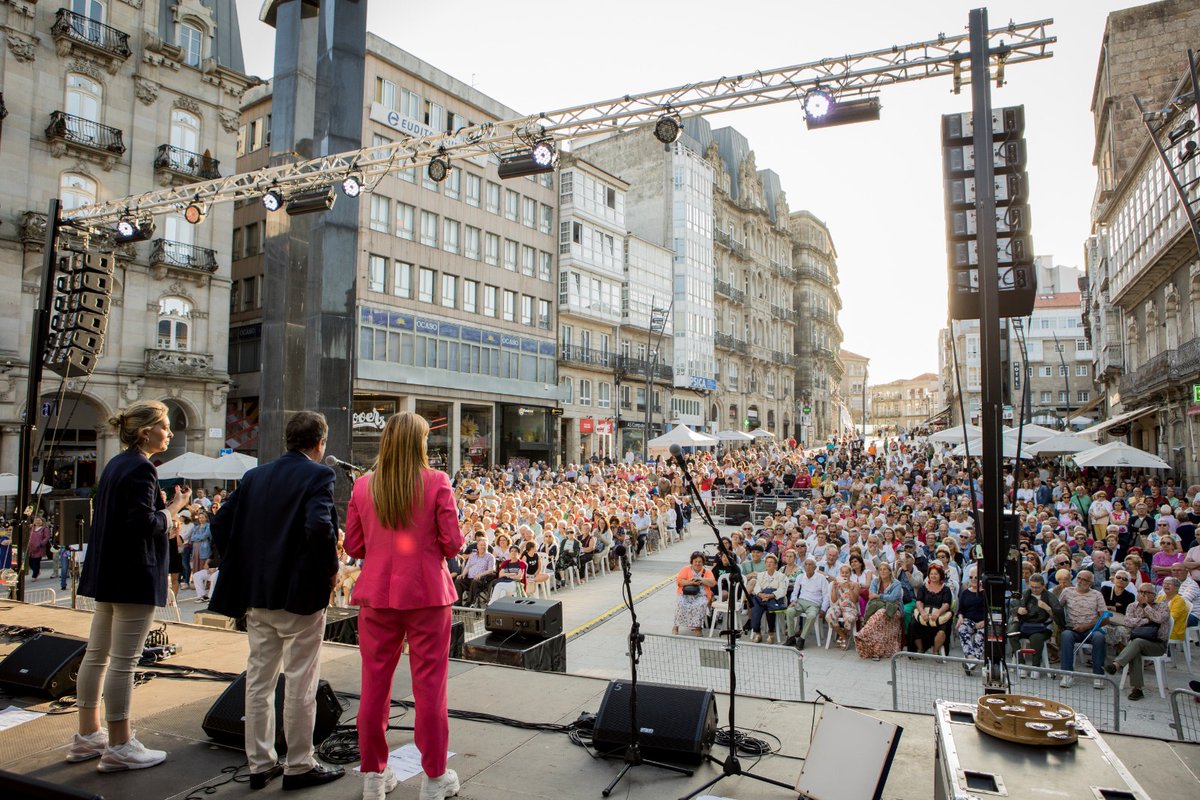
<point>824,774</point>
<point>737,513</point>
<point>74,521</point>
<point>677,724</point>
<point>45,664</point>
<point>528,616</point>
<point>29,788</point>
<point>225,722</point>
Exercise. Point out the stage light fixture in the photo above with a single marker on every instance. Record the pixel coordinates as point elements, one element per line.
<point>846,112</point>
<point>194,213</point>
<point>543,153</point>
<point>817,103</point>
<point>272,200</point>
<point>132,229</point>
<point>1181,131</point>
<point>311,201</point>
<point>1189,151</point>
<point>668,128</point>
<point>352,185</point>
<point>438,169</point>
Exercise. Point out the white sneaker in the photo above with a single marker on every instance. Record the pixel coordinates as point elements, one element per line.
<point>440,788</point>
<point>377,784</point>
<point>131,755</point>
<point>87,747</point>
<point>1067,682</point>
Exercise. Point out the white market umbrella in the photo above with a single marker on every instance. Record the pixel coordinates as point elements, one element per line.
<point>9,484</point>
<point>954,434</point>
<point>1060,445</point>
<point>733,436</point>
<point>185,466</point>
<point>759,433</point>
<point>976,447</point>
<point>1119,454</point>
<point>1030,433</point>
<point>229,467</point>
<point>683,436</point>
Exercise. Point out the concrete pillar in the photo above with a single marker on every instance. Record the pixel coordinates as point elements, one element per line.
<point>455,436</point>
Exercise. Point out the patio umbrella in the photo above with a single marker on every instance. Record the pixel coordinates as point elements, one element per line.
<point>976,447</point>
<point>683,436</point>
<point>1031,433</point>
<point>229,467</point>
<point>9,484</point>
<point>733,436</point>
<point>1060,445</point>
<point>955,435</point>
<point>759,433</point>
<point>1119,454</point>
<point>187,463</point>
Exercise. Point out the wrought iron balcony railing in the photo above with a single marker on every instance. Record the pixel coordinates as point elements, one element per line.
<point>180,255</point>
<point>78,29</point>
<point>574,354</point>
<point>641,366</point>
<point>186,163</point>
<point>85,132</point>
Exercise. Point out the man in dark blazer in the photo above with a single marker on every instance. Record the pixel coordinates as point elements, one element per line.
<point>277,537</point>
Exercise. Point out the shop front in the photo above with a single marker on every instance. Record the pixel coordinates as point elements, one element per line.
<point>525,435</point>
<point>475,431</point>
<point>632,434</point>
<point>368,417</point>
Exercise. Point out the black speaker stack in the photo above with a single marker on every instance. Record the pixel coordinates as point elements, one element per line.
<point>676,724</point>
<point>225,722</point>
<point>43,665</point>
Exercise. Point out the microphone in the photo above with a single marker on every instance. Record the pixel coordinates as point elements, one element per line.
<point>677,454</point>
<point>334,461</point>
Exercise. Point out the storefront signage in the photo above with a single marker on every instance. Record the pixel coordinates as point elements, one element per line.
<point>604,426</point>
<point>411,127</point>
<point>403,322</point>
<point>547,349</point>
<point>1196,392</point>
<point>586,425</point>
<point>699,382</point>
<point>511,342</point>
<point>529,346</point>
<point>453,330</point>
<point>471,334</point>
<point>427,326</point>
<point>1193,410</point>
<point>370,416</point>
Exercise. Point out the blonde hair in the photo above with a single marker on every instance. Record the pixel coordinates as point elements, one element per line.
<point>135,420</point>
<point>396,487</point>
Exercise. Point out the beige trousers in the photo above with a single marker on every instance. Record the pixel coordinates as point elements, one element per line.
<point>117,636</point>
<point>291,643</point>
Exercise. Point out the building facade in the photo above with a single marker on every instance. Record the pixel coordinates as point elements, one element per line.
<point>1142,290</point>
<point>907,403</point>
<point>960,371</point>
<point>455,290</point>
<point>645,371</point>
<point>1056,363</point>
<point>854,386</point>
<point>98,101</point>
<point>818,334</point>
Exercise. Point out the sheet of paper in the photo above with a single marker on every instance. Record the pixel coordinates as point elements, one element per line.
<point>405,761</point>
<point>14,716</point>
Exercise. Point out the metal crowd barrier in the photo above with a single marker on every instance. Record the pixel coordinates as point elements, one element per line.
<point>763,670</point>
<point>1185,710</point>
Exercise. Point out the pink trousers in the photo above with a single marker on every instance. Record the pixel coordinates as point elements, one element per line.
<point>381,635</point>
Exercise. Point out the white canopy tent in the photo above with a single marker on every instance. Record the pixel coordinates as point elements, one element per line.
<point>761,433</point>
<point>1119,454</point>
<point>1060,445</point>
<point>954,435</point>
<point>229,467</point>
<point>185,466</point>
<point>976,448</point>
<point>1030,433</point>
<point>733,436</point>
<point>9,484</point>
<point>683,436</point>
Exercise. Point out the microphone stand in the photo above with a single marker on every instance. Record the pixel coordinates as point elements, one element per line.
<point>633,752</point>
<point>731,766</point>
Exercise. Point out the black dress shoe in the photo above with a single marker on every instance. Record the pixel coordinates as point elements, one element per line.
<point>314,777</point>
<point>259,780</point>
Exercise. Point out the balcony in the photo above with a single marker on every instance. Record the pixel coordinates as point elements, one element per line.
<point>86,136</point>
<point>574,354</point>
<point>642,366</point>
<point>179,362</point>
<point>1169,368</point>
<point>824,352</point>
<point>726,289</point>
<point>183,256</point>
<point>174,161</point>
<point>781,312</point>
<point>812,273</point>
<point>75,33</point>
<point>728,342</point>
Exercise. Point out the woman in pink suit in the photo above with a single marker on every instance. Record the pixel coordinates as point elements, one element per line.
<point>402,520</point>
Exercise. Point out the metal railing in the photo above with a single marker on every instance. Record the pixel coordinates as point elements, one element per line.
<point>187,163</point>
<point>1185,711</point>
<point>763,670</point>
<point>920,679</point>
<point>1170,366</point>
<point>642,366</point>
<point>815,274</point>
<point>575,354</point>
<point>85,132</point>
<point>730,342</point>
<point>183,256</point>
<point>88,31</point>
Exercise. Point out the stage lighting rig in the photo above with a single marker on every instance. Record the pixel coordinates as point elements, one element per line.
<point>668,128</point>
<point>133,229</point>
<point>542,157</point>
<point>543,153</point>
<point>311,201</point>
<point>352,185</point>
<point>817,103</point>
<point>846,112</point>
<point>272,200</point>
<point>438,168</point>
<point>194,213</point>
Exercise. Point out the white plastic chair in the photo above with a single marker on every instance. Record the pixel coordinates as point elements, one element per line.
<point>1190,634</point>
<point>720,607</point>
<point>169,612</point>
<point>1160,671</point>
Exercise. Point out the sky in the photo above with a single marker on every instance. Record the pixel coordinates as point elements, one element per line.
<point>878,186</point>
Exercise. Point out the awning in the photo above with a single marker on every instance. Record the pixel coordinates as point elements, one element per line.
<point>1128,416</point>
<point>944,412</point>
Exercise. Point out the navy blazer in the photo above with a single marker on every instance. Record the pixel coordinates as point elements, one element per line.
<point>276,536</point>
<point>127,551</point>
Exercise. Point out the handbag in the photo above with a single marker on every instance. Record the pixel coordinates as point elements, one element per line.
<point>1034,628</point>
<point>1147,632</point>
<point>691,589</point>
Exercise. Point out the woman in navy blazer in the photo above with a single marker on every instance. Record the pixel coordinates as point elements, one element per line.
<point>126,572</point>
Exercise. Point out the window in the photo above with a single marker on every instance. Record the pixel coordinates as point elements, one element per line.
<point>1045,396</point>
<point>435,116</point>
<point>425,285</point>
<point>585,392</point>
<point>1062,397</point>
<point>76,190</point>
<point>472,248</point>
<point>454,183</point>
<point>567,390</point>
<point>1081,370</point>
<point>489,301</point>
<point>376,273</point>
<point>190,39</point>
<point>491,252</point>
<point>493,197</point>
<point>510,255</point>
<point>470,292</point>
<point>185,134</point>
<point>1046,372</point>
<point>381,213</point>
<point>174,323</point>
<point>1081,345</point>
<point>404,220</point>
<point>449,290</point>
<point>410,104</point>
<point>450,231</point>
<point>474,189</point>
<point>1062,371</point>
<point>546,266</point>
<point>544,314</point>
<point>402,280</point>
<point>385,93</point>
<point>547,225</point>
<point>529,212</point>
<point>512,204</point>
<point>250,294</point>
<point>528,260</point>
<point>1084,396</point>
<point>253,238</point>
<point>526,310</point>
<point>85,97</point>
<point>429,228</point>
<point>510,306</point>
<point>603,395</point>
<point>239,239</point>
<point>409,175</point>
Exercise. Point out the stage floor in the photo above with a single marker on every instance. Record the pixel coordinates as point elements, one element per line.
<point>493,761</point>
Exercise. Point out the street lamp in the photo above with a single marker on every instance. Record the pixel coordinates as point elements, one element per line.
<point>658,323</point>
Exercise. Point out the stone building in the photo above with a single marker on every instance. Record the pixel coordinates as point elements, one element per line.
<point>1056,362</point>
<point>818,335</point>
<point>455,292</point>
<point>907,403</point>
<point>962,387</point>
<point>100,100</point>
<point>1141,298</point>
<point>854,386</point>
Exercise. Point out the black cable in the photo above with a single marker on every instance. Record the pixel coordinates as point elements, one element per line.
<point>966,441</point>
<point>232,775</point>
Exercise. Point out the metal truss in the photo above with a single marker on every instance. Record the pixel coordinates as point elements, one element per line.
<point>843,77</point>
<point>1175,131</point>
